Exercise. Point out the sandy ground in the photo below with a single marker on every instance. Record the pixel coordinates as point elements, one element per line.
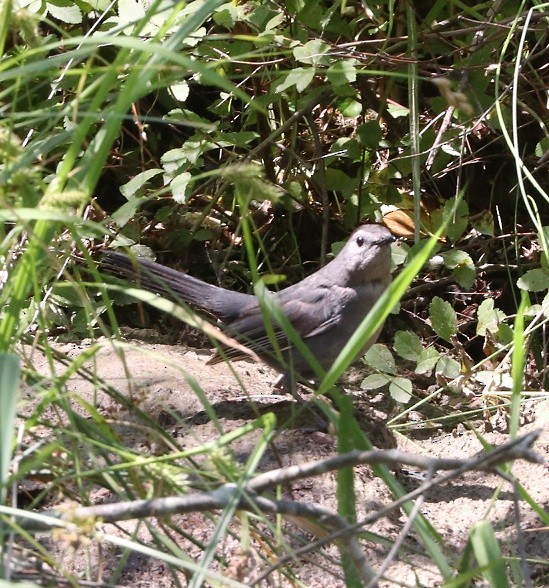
<point>160,379</point>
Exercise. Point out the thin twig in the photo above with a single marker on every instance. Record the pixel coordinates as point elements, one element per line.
<point>247,499</point>
<point>519,448</point>
<point>514,447</point>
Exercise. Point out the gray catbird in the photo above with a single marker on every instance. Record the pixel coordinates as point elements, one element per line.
<point>325,308</point>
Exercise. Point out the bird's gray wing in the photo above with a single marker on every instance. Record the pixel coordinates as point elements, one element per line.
<point>311,311</point>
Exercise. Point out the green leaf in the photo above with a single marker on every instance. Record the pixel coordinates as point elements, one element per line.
<point>345,147</point>
<point>203,235</point>
<point>229,14</point>
<point>240,139</point>
<point>408,345</point>
<point>375,381</point>
<point>380,358</point>
<point>180,159</point>
<point>340,182</point>
<point>427,361</point>
<point>462,266</point>
<point>396,110</point>
<point>127,211</point>
<point>342,72</point>
<point>300,77</point>
<point>188,118</point>
<point>542,147</point>
<point>465,276</point>
<point>400,390</point>
<point>312,53</point>
<point>180,91</point>
<point>448,367</point>
<point>488,317</point>
<point>534,280</point>
<point>400,253</point>
<point>99,4</point>
<point>130,188</point>
<point>130,10</point>
<point>179,187</point>
<point>350,107</point>
<point>443,318</point>
<point>459,218</point>
<point>65,11</point>
<point>370,134</point>
<point>505,334</point>
<point>483,223</point>
<point>456,258</point>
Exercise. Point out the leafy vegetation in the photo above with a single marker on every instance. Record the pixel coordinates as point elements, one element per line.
<point>238,140</point>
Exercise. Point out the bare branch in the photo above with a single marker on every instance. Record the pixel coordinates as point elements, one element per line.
<point>246,497</point>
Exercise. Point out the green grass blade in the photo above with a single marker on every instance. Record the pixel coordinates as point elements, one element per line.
<point>9,387</point>
<point>488,554</point>
<point>518,365</point>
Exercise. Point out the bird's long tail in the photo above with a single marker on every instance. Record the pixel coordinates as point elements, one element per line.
<point>175,285</point>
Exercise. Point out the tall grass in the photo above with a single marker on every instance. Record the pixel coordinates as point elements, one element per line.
<point>67,101</point>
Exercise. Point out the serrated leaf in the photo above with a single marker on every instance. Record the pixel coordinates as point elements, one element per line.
<point>542,147</point>
<point>488,317</point>
<point>448,367</point>
<point>427,361</point>
<point>300,77</point>
<point>183,157</point>
<point>122,215</point>
<point>484,223</point>
<point>342,72</point>
<point>456,229</point>
<point>506,335</point>
<point>456,257</point>
<point>461,210</point>
<point>350,107</point>
<point>534,280</point>
<point>380,358</point>
<point>375,381</point>
<point>408,345</point>
<point>180,91</point>
<point>229,14</point>
<point>130,188</point>
<point>241,139</point>
<point>65,11</point>
<point>173,159</point>
<point>443,318</point>
<point>465,276</point>
<point>312,52</point>
<point>459,219</point>
<point>370,134</point>
<point>179,187</point>
<point>400,390</point>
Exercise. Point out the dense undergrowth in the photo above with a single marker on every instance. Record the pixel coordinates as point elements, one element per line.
<point>242,140</point>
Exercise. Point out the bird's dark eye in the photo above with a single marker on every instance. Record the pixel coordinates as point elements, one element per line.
<point>360,241</point>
